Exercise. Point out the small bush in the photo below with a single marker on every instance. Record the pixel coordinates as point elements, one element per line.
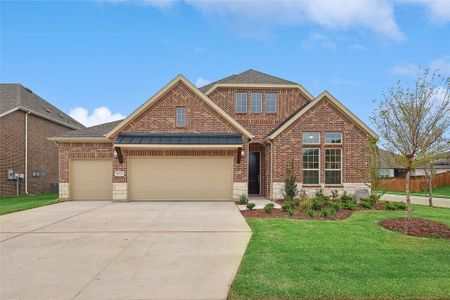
<point>268,208</point>
<point>374,198</point>
<point>365,203</point>
<point>296,201</point>
<point>320,202</point>
<point>290,211</point>
<point>319,193</point>
<point>286,205</point>
<point>401,205</point>
<point>250,205</point>
<point>310,212</point>
<point>336,206</point>
<point>243,199</point>
<point>334,194</point>
<point>390,205</point>
<point>327,212</point>
<point>347,198</point>
<point>290,186</point>
<point>348,205</point>
<point>305,205</point>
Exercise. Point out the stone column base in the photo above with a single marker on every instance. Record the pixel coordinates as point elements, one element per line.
<point>239,188</point>
<point>119,191</point>
<point>63,191</point>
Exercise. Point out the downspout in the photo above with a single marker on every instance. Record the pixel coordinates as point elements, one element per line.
<point>26,153</point>
<point>271,168</point>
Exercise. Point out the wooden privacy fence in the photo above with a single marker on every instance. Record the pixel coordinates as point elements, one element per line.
<point>417,183</point>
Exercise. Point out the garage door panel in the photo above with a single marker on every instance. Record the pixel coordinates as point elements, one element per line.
<point>91,179</point>
<point>180,178</point>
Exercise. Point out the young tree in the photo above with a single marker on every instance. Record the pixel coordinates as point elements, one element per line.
<point>429,170</point>
<point>412,122</point>
<point>290,184</point>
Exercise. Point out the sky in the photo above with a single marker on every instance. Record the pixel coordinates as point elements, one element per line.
<point>99,60</point>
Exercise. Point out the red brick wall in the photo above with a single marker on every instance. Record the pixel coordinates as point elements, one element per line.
<point>322,118</point>
<point>42,154</point>
<point>200,117</point>
<point>260,124</point>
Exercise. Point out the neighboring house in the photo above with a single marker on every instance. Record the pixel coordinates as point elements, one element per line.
<point>28,161</point>
<point>234,136</point>
<point>389,168</point>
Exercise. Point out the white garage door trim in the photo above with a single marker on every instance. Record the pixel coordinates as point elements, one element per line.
<point>93,181</point>
<point>180,178</point>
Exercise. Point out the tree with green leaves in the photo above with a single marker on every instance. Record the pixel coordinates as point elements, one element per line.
<point>413,120</point>
<point>290,189</point>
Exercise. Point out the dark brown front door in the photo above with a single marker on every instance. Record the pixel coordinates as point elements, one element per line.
<point>253,173</point>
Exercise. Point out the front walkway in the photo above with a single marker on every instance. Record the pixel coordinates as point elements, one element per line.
<point>438,202</point>
<point>107,250</point>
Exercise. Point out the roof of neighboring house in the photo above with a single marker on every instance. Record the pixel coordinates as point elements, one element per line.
<point>91,132</point>
<point>387,160</point>
<point>248,77</point>
<point>135,138</point>
<point>14,96</point>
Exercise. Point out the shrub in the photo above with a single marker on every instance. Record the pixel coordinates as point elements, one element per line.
<point>336,206</point>
<point>243,199</point>
<point>290,211</point>
<point>250,205</point>
<point>348,205</point>
<point>310,212</point>
<point>401,205</point>
<point>328,212</point>
<point>305,205</point>
<point>334,194</point>
<point>374,198</point>
<point>390,205</point>
<point>268,208</point>
<point>320,201</point>
<point>290,186</point>
<point>296,201</point>
<point>347,198</point>
<point>365,203</point>
<point>319,193</point>
<point>286,206</point>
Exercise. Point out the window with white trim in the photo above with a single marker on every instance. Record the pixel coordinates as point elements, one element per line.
<point>333,166</point>
<point>311,163</point>
<point>256,102</point>
<point>181,116</point>
<point>333,138</point>
<point>311,138</point>
<point>241,102</point>
<point>271,102</point>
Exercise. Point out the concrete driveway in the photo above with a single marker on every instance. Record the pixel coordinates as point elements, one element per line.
<point>106,250</point>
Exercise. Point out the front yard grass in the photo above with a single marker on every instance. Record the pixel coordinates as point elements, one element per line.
<point>440,192</point>
<point>354,258</point>
<point>11,204</point>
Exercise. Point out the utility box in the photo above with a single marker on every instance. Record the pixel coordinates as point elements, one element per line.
<point>10,174</point>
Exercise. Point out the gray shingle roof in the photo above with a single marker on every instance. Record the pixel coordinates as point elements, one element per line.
<point>16,95</point>
<point>248,77</point>
<point>144,138</point>
<point>94,131</point>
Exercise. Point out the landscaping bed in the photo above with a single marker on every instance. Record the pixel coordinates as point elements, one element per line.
<point>417,227</point>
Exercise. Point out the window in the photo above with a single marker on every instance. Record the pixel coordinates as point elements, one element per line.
<point>333,166</point>
<point>181,116</point>
<point>385,173</point>
<point>256,102</point>
<point>241,102</point>
<point>271,102</point>
<point>333,138</point>
<point>311,137</point>
<point>311,166</point>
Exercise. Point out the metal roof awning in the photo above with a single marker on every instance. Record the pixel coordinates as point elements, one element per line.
<point>179,140</point>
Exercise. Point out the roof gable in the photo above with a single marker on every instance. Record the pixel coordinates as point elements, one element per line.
<point>324,95</point>
<point>155,98</point>
<point>253,78</point>
<point>17,97</point>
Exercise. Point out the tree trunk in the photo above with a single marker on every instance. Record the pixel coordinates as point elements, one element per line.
<point>430,188</point>
<point>408,199</point>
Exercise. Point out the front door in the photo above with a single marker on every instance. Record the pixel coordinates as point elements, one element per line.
<point>253,173</point>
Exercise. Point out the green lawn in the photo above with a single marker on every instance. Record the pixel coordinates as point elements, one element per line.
<point>441,192</point>
<point>353,258</point>
<point>15,203</point>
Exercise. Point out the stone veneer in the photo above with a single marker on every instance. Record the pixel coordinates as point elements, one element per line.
<point>349,188</point>
<point>119,192</point>
<point>63,191</point>
<point>239,188</point>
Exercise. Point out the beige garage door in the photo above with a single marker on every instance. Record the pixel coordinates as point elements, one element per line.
<point>91,179</point>
<point>180,178</point>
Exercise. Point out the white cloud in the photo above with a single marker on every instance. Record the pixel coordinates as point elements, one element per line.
<point>441,65</point>
<point>319,39</point>
<point>357,47</point>
<point>201,82</point>
<point>98,116</point>
<point>438,10</point>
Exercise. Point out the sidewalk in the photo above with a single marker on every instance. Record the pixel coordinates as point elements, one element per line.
<point>438,202</point>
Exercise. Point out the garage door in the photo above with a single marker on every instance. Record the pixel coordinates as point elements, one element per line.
<point>180,178</point>
<point>91,179</point>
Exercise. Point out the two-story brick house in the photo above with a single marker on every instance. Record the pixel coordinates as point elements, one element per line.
<point>26,121</point>
<point>235,136</point>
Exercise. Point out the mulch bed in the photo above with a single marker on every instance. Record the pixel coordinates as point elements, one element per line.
<point>417,227</point>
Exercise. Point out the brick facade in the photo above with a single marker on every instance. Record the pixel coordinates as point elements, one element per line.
<point>42,154</point>
<point>201,118</point>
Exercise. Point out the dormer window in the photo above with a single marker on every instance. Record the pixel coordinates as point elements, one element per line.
<point>271,102</point>
<point>181,116</point>
<point>256,102</point>
<point>241,102</point>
